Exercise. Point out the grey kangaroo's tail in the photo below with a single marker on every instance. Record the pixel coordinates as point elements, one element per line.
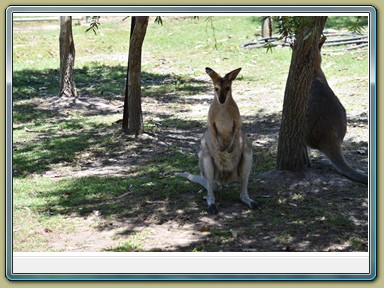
<point>342,166</point>
<point>194,178</point>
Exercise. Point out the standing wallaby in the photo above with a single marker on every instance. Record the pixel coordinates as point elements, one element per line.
<point>326,122</point>
<point>226,152</point>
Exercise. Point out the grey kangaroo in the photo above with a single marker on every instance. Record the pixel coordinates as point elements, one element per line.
<point>326,122</point>
<point>226,152</point>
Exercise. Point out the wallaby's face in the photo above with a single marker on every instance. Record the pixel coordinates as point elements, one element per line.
<point>222,85</point>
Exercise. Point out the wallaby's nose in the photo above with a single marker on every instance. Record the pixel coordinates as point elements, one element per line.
<point>222,97</point>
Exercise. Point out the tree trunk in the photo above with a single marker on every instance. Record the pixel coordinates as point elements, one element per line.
<point>292,152</point>
<point>266,27</point>
<point>132,117</point>
<point>67,58</point>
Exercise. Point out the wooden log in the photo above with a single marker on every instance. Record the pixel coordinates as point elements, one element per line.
<point>357,46</point>
<point>261,40</point>
<point>345,42</point>
<point>358,40</point>
<point>338,34</point>
<point>346,39</point>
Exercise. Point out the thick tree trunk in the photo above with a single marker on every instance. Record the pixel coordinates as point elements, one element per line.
<point>292,152</point>
<point>67,58</point>
<point>132,117</point>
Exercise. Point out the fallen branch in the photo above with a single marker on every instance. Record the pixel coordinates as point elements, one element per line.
<point>338,34</point>
<point>261,40</point>
<point>346,39</point>
<point>359,40</point>
<point>345,42</point>
<point>264,45</point>
<point>357,46</point>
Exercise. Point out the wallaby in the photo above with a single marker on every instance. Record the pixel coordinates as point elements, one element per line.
<point>326,122</point>
<point>226,152</point>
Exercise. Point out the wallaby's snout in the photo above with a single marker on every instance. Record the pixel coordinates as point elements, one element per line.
<point>222,85</point>
<point>222,96</point>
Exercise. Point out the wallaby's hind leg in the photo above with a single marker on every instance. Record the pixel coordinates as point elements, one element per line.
<point>335,154</point>
<point>203,182</point>
<point>207,167</point>
<point>244,171</point>
<point>193,178</point>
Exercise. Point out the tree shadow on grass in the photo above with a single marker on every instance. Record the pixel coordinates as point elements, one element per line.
<point>148,196</point>
<point>31,113</point>
<point>51,147</point>
<point>290,220</point>
<point>108,82</point>
<point>304,216</point>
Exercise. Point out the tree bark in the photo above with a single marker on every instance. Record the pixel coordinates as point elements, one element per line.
<point>292,152</point>
<point>266,28</point>
<point>67,58</point>
<point>132,117</point>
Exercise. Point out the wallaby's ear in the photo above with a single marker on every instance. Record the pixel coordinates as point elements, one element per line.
<point>322,40</point>
<point>214,76</point>
<point>233,74</point>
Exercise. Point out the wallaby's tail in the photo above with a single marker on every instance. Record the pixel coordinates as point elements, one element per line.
<point>336,156</point>
<point>194,178</point>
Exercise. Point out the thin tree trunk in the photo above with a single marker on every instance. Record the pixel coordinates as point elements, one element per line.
<point>132,117</point>
<point>292,152</point>
<point>67,58</point>
<point>125,111</point>
<point>266,27</point>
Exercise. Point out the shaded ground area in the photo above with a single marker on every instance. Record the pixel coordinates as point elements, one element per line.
<point>112,192</point>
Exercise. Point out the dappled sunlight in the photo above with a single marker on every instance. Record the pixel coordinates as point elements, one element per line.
<point>84,185</point>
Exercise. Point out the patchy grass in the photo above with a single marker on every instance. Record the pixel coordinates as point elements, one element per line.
<point>83,185</point>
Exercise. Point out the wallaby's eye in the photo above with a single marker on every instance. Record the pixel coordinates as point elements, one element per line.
<point>216,89</point>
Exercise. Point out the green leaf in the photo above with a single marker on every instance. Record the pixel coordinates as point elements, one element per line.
<point>356,27</point>
<point>94,25</point>
<point>158,20</point>
<point>269,46</point>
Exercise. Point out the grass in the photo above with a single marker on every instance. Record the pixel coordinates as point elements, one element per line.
<point>133,244</point>
<point>72,166</point>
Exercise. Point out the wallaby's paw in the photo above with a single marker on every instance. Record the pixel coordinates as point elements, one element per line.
<point>251,203</point>
<point>254,205</point>
<point>213,209</point>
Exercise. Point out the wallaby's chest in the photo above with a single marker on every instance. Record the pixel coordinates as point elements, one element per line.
<point>224,125</point>
<point>223,117</point>
<point>226,165</point>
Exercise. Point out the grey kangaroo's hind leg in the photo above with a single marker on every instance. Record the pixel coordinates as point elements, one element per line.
<point>245,170</point>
